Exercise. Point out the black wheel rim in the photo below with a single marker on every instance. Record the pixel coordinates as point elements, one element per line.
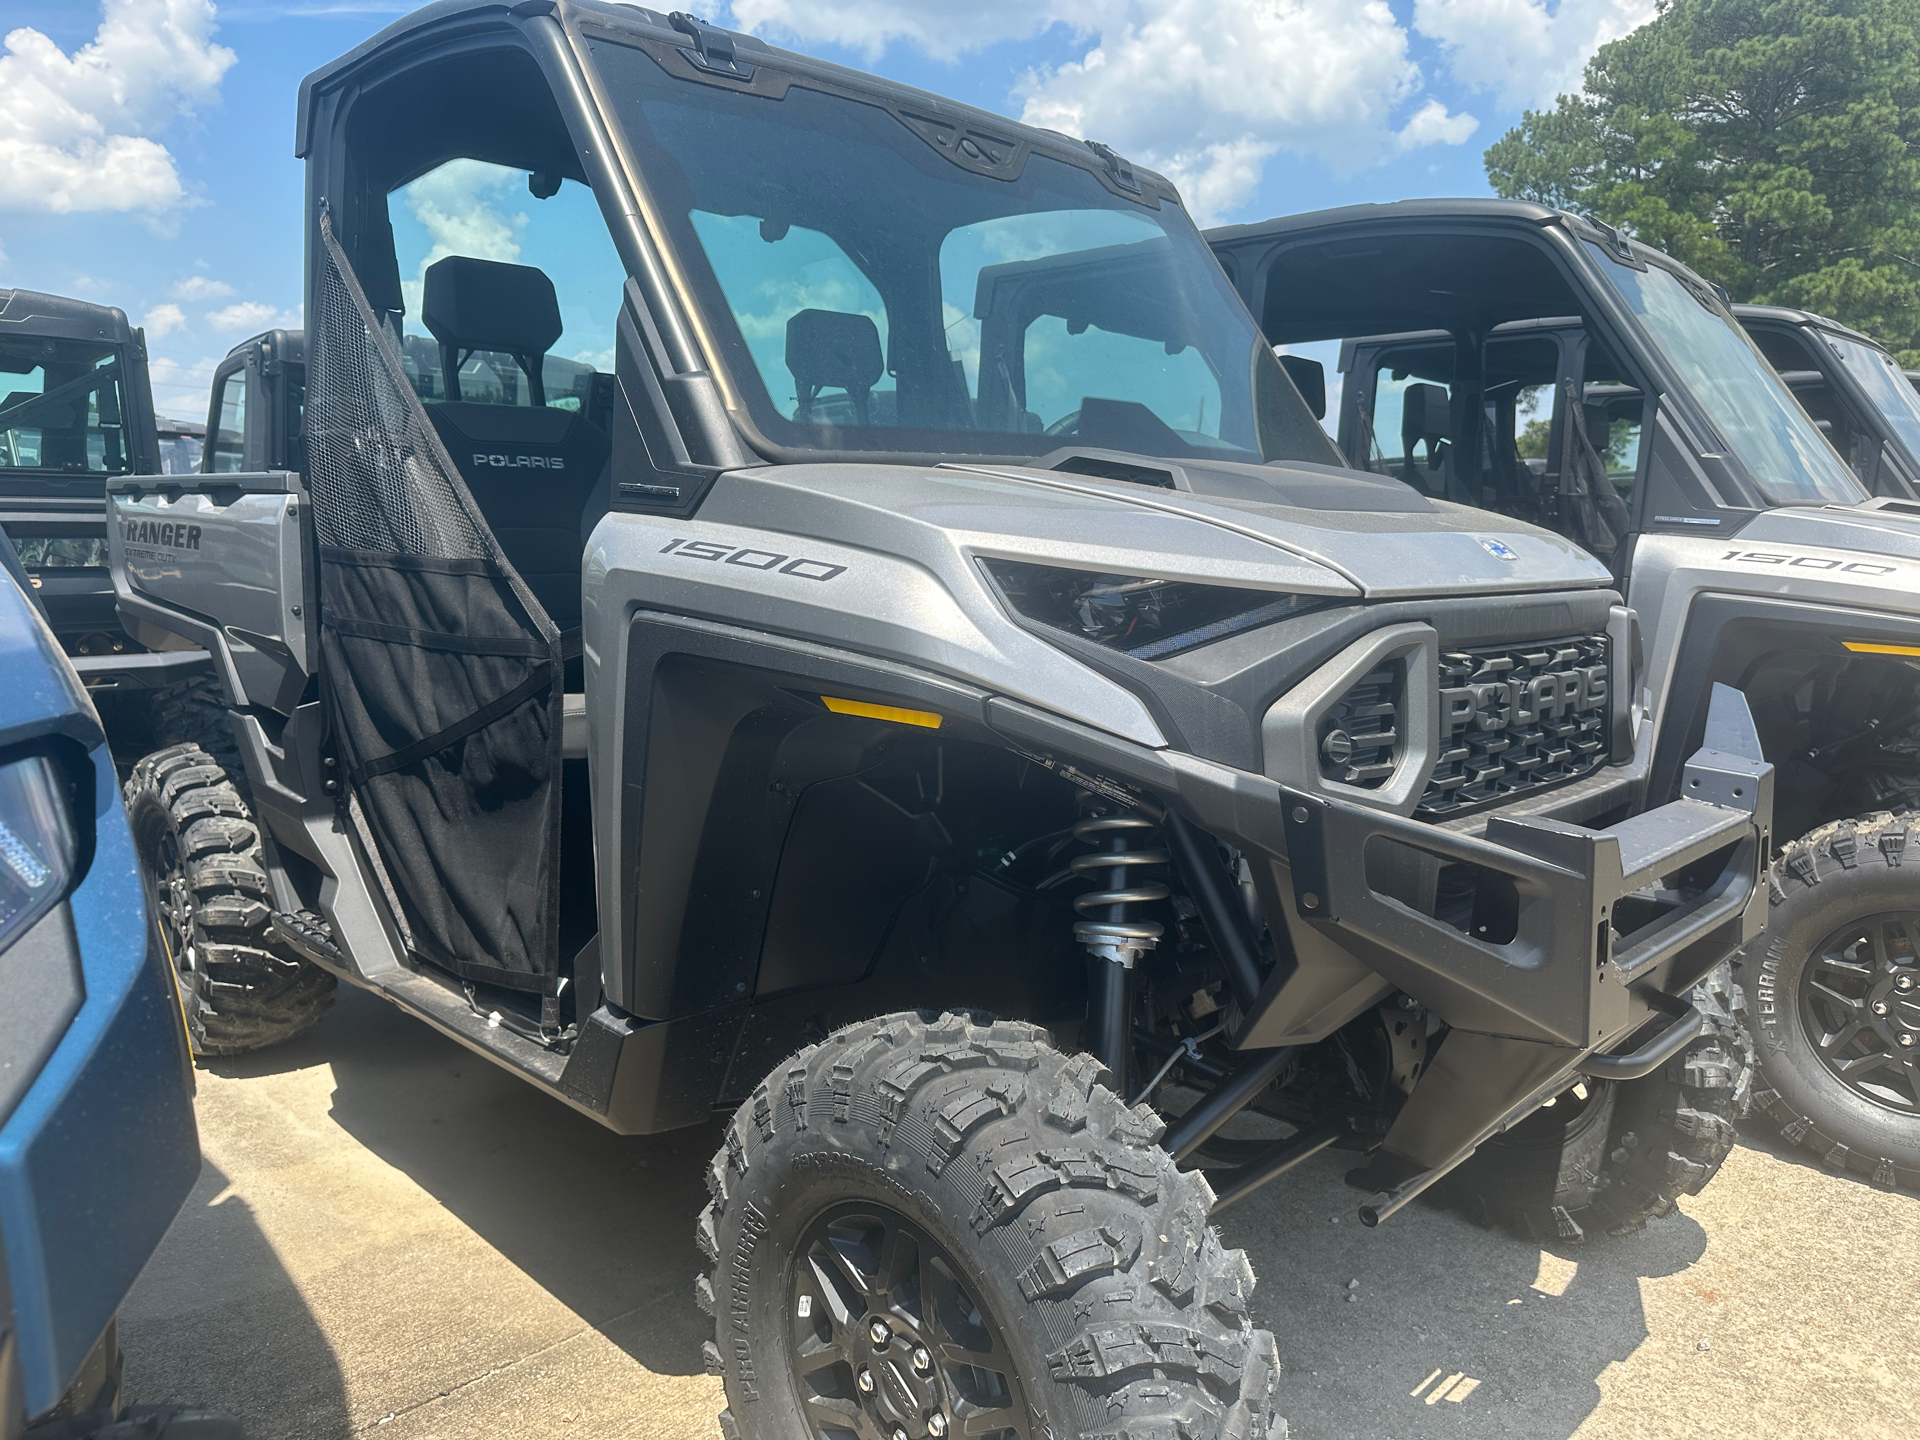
<point>888,1339</point>
<point>1860,1008</point>
<point>173,900</point>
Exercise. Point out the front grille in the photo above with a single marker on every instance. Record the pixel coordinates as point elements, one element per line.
<point>1518,718</point>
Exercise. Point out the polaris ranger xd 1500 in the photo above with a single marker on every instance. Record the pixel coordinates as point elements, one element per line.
<point>934,602</point>
<point>1661,440</point>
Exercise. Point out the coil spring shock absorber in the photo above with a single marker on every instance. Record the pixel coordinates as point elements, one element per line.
<point>1113,930</point>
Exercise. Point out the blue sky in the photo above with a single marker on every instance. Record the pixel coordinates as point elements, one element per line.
<point>146,146</point>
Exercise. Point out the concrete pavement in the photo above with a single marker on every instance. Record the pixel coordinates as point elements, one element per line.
<point>393,1238</point>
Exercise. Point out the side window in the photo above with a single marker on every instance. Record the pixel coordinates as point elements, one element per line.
<point>227,445</point>
<point>60,411</point>
<point>1612,417</point>
<point>492,212</point>
<point>813,322</point>
<point>1404,415</point>
<point>1784,350</point>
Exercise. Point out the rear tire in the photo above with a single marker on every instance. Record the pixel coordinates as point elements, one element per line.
<point>1841,936</point>
<point>195,712</point>
<point>199,843</point>
<point>1064,1279</point>
<point>1608,1156</point>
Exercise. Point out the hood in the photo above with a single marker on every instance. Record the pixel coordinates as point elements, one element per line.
<point>1385,539</point>
<point>1878,527</point>
<point>1305,529</point>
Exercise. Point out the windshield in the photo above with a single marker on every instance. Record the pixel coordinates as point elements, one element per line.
<point>1756,414</point>
<point>1886,385</point>
<point>60,408</point>
<point>866,293</point>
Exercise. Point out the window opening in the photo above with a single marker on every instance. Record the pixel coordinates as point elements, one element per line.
<point>60,409</point>
<point>483,211</point>
<point>229,438</point>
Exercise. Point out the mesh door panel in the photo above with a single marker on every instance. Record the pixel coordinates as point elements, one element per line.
<point>441,671</point>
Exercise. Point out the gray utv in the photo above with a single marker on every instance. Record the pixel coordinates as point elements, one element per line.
<point>1544,367</point>
<point>871,566</point>
<point>76,410</point>
<point>1854,390</point>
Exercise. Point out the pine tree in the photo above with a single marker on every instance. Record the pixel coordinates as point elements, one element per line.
<point>1773,145</point>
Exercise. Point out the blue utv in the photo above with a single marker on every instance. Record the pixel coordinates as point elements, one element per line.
<point>97,1141</point>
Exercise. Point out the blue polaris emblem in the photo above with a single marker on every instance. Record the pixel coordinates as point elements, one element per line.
<point>1497,549</point>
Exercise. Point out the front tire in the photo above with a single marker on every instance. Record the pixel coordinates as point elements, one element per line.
<point>1831,991</point>
<point>1609,1156</point>
<point>198,840</point>
<point>938,1226</point>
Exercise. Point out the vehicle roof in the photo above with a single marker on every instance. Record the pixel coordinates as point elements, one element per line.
<point>38,315</point>
<point>1459,208</point>
<point>656,25</point>
<point>1789,316</point>
<point>285,344</point>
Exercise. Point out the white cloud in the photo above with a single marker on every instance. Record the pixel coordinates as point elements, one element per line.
<point>200,287</point>
<point>1525,52</point>
<point>458,206</point>
<point>1431,124</point>
<point>1206,91</point>
<point>162,319</point>
<point>73,128</point>
<point>242,315</point>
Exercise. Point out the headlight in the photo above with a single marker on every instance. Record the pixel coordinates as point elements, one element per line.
<point>36,845</point>
<point>1147,619</point>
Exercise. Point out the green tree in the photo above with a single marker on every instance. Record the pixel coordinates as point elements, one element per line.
<point>1773,145</point>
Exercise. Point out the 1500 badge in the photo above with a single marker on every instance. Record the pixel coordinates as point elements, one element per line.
<point>752,559</point>
<point>1808,562</point>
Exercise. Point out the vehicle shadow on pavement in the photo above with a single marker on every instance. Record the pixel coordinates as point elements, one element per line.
<point>1453,1330</point>
<point>1758,1131</point>
<point>215,1320</point>
<point>603,1223</point>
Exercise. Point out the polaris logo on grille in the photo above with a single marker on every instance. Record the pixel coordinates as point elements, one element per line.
<point>1515,719</point>
<point>521,462</point>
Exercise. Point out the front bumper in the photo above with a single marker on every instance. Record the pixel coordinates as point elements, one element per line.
<point>1565,946</point>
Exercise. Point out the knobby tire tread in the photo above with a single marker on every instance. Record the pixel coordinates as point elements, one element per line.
<point>239,993</point>
<point>1047,1182</point>
<point>1660,1137</point>
<point>1840,856</point>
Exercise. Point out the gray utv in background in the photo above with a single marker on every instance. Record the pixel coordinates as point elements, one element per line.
<point>920,594</point>
<point>1543,367</point>
<point>76,410</point>
<point>1855,391</point>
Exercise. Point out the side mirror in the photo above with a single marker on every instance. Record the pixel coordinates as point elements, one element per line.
<point>1310,379</point>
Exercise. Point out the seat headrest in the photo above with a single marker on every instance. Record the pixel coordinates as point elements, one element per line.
<point>832,349</point>
<point>1424,416</point>
<point>487,305</point>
